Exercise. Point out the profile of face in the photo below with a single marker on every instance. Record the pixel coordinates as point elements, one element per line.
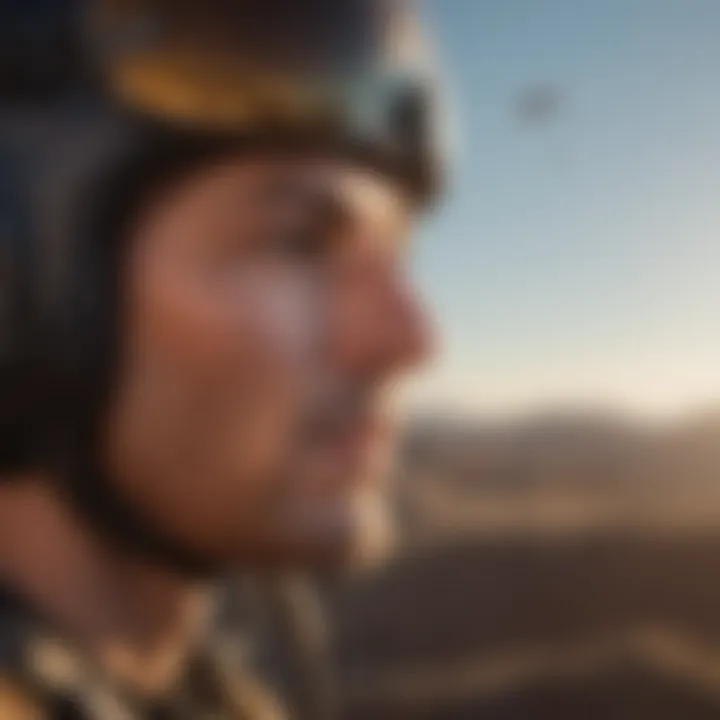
<point>268,315</point>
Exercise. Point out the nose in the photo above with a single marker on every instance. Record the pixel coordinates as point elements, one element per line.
<point>380,325</point>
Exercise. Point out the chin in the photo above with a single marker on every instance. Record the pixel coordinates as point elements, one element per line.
<point>355,538</point>
<point>375,535</point>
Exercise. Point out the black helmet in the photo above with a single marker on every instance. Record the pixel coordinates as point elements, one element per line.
<point>356,73</point>
<point>100,100</point>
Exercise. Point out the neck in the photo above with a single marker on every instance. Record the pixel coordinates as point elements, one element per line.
<point>137,621</point>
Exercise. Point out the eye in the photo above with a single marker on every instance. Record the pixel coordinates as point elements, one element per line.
<point>306,242</point>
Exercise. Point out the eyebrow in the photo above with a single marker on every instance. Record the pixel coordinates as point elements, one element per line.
<point>330,205</point>
<point>319,202</point>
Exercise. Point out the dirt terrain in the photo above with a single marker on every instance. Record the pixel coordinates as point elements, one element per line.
<point>557,594</point>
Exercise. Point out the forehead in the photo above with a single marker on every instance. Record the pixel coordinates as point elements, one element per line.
<point>260,186</point>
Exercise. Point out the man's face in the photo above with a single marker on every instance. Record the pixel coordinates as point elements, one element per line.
<point>267,315</point>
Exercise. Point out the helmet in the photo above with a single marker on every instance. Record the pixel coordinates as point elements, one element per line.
<point>100,100</point>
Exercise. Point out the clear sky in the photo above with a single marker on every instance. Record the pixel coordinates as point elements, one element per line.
<point>577,258</point>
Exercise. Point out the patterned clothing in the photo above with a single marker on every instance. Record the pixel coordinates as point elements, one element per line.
<point>42,677</point>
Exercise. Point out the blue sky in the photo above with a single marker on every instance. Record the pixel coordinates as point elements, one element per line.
<point>577,259</point>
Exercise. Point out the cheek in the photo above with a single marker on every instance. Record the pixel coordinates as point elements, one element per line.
<point>255,343</point>
<point>272,337</point>
<point>256,321</point>
<point>214,388</point>
<point>277,321</point>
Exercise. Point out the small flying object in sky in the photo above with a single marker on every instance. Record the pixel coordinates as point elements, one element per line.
<point>538,105</point>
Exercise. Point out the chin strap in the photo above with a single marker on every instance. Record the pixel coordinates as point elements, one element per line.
<point>102,507</point>
<point>129,171</point>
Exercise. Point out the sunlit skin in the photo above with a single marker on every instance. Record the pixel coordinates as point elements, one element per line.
<point>268,314</point>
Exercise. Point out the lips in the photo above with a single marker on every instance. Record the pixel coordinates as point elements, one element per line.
<point>349,428</point>
<point>358,450</point>
<point>360,433</point>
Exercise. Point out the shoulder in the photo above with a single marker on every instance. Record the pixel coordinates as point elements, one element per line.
<point>17,703</point>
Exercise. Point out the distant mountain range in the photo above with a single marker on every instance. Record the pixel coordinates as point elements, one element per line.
<point>558,568</point>
<point>560,472</point>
